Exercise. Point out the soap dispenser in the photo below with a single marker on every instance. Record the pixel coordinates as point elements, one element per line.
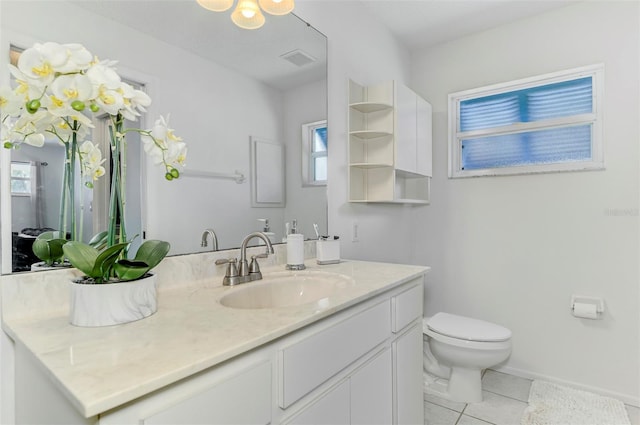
<point>295,248</point>
<point>264,228</point>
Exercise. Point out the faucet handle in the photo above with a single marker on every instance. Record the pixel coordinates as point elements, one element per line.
<point>232,267</point>
<point>254,267</point>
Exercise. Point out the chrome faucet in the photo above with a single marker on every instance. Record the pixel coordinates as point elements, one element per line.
<point>214,239</point>
<point>245,272</point>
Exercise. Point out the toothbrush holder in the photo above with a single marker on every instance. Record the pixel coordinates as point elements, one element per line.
<point>327,251</point>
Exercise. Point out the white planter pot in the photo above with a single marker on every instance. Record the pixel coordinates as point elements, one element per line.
<point>42,266</point>
<point>109,304</point>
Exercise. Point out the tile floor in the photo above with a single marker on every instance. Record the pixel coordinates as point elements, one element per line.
<point>505,398</point>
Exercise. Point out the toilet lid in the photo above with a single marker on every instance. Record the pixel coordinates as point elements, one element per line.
<point>466,328</point>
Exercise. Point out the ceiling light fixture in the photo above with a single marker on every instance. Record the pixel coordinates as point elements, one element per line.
<point>248,13</point>
<point>216,5</point>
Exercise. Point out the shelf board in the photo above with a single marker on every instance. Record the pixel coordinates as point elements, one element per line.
<point>393,201</point>
<point>367,107</point>
<point>370,165</point>
<point>369,134</point>
<point>411,201</point>
<point>410,175</point>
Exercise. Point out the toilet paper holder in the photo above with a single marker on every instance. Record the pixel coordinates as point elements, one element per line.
<point>579,299</point>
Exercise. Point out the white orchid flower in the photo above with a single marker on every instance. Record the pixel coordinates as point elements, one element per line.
<point>177,154</point>
<point>163,146</point>
<point>111,101</point>
<point>135,101</point>
<point>11,102</point>
<point>29,129</point>
<point>107,85</point>
<point>91,160</point>
<point>103,74</point>
<point>40,62</point>
<point>78,59</point>
<point>57,107</point>
<point>27,88</point>
<point>140,100</point>
<point>73,89</point>
<point>128,111</point>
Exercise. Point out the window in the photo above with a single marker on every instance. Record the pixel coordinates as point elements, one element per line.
<point>541,124</point>
<point>20,179</point>
<point>314,153</point>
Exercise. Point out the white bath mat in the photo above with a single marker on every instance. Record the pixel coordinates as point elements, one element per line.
<point>552,404</point>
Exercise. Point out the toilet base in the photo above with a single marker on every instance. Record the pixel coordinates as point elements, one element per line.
<point>463,385</point>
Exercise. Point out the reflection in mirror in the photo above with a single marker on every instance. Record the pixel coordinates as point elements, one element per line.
<point>220,84</point>
<point>314,153</point>
<point>267,174</point>
<point>40,203</point>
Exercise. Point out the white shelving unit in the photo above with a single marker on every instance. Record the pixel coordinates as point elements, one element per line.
<point>389,144</point>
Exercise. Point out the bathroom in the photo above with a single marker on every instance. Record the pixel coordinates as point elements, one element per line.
<point>510,250</point>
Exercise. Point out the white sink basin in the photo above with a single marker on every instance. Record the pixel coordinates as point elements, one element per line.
<point>285,289</point>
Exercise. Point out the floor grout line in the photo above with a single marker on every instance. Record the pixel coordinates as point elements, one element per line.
<point>506,396</point>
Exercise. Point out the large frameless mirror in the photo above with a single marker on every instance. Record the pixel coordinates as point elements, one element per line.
<point>221,85</point>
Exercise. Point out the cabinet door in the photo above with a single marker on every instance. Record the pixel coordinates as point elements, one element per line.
<point>405,130</point>
<point>424,138</point>
<point>243,399</point>
<point>407,364</point>
<point>371,391</point>
<point>306,364</point>
<point>332,408</point>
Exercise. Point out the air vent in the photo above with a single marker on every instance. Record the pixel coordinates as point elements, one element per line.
<point>298,57</point>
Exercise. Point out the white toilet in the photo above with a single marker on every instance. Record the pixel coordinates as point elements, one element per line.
<point>456,350</point>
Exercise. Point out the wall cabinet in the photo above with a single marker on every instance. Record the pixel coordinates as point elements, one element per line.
<point>390,143</point>
<point>362,365</point>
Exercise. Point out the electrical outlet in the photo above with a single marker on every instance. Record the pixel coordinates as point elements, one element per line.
<point>355,237</point>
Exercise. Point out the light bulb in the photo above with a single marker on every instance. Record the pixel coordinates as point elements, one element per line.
<point>216,5</point>
<point>247,15</point>
<point>277,7</point>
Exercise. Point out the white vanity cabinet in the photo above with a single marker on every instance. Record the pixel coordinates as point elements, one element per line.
<point>365,398</point>
<point>374,356</point>
<point>390,144</point>
<point>361,365</point>
<point>242,399</point>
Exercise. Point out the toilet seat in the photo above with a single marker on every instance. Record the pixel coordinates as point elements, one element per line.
<point>467,329</point>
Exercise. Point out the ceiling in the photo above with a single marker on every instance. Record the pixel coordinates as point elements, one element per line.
<point>417,24</point>
<point>420,24</point>
<point>213,36</point>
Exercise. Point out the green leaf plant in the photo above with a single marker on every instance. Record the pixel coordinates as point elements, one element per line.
<point>107,265</point>
<point>48,248</point>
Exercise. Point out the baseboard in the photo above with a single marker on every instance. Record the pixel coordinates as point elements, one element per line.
<point>625,398</point>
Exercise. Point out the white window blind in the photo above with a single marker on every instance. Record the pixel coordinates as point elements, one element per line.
<point>547,123</point>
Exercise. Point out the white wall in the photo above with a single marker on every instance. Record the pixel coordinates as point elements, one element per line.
<point>308,204</point>
<point>360,49</point>
<point>514,249</point>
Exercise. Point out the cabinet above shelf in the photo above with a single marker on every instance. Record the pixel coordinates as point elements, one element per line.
<point>367,107</point>
<point>389,144</point>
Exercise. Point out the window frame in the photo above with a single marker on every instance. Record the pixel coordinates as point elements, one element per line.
<point>594,119</point>
<point>308,156</point>
<point>12,178</point>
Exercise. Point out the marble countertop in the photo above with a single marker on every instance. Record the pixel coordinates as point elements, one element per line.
<point>101,368</point>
